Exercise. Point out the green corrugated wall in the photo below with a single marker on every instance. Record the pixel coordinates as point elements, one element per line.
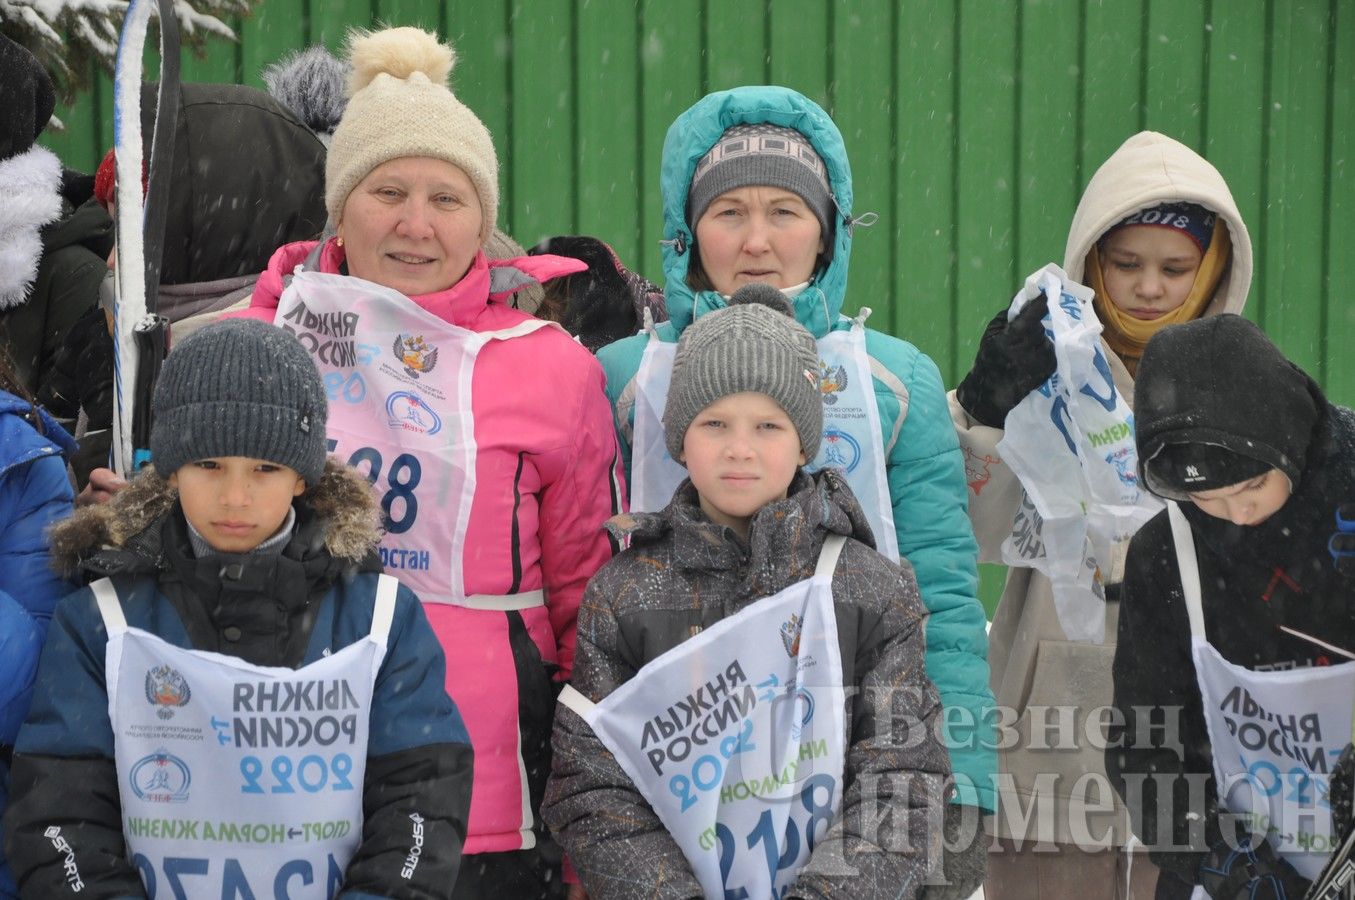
<point>972,127</point>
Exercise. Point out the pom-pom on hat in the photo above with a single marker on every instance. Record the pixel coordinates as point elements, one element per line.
<point>400,105</point>
<point>755,345</point>
<point>240,387</point>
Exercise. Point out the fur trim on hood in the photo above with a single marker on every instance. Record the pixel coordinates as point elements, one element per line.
<point>342,498</point>
<point>313,84</point>
<point>31,182</point>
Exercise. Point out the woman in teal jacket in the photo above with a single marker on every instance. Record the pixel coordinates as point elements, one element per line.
<point>886,419</point>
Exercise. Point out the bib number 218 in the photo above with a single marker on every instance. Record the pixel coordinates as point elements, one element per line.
<point>401,480</point>
<point>816,797</point>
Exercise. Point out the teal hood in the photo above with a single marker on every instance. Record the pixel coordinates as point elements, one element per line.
<point>692,135</point>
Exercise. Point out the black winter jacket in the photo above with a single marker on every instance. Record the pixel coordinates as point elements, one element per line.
<point>279,611</point>
<point>74,261</point>
<point>1253,579</point>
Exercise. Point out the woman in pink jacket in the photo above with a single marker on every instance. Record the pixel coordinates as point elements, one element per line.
<point>494,494</point>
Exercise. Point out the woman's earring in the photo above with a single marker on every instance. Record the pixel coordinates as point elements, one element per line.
<point>339,240</point>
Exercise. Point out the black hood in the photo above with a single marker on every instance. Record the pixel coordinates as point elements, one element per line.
<point>88,226</point>
<point>1216,403</point>
<point>247,178</point>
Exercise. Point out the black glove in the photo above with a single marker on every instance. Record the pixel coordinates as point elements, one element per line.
<point>1014,359</point>
<point>1342,543</point>
<point>1248,869</point>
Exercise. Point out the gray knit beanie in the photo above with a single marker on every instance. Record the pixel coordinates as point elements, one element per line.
<point>747,155</point>
<point>754,345</point>
<point>240,387</point>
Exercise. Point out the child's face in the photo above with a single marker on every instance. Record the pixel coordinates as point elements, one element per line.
<point>741,453</point>
<point>1248,503</point>
<point>1149,270</point>
<point>236,502</point>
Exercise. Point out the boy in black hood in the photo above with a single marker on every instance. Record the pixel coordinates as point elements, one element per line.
<point>1234,625</point>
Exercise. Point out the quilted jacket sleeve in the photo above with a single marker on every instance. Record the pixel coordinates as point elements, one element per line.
<point>616,842</point>
<point>33,495</point>
<point>64,780</point>
<point>927,486</point>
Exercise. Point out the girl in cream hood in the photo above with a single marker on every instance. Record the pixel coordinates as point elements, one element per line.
<point>1159,239</point>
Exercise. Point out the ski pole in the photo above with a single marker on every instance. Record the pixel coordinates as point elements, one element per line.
<point>141,336</point>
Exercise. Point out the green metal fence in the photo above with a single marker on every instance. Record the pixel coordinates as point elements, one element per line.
<point>972,127</point>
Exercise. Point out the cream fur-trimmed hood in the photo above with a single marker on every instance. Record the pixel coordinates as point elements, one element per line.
<point>31,185</point>
<point>342,499</point>
<point>1146,170</point>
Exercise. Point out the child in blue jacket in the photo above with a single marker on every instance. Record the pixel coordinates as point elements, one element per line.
<point>240,703</point>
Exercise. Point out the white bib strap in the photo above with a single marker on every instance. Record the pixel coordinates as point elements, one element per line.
<point>1189,565</point>
<point>110,608</point>
<point>506,602</point>
<point>383,613</point>
<point>577,702</point>
<point>832,549</point>
<point>518,330</point>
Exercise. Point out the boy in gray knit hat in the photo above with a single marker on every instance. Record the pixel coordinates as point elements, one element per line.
<point>239,401</point>
<point>744,375</point>
<point>243,598</point>
<point>754,567</point>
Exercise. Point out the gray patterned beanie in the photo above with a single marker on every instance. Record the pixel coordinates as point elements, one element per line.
<point>754,345</point>
<point>747,155</point>
<point>240,387</point>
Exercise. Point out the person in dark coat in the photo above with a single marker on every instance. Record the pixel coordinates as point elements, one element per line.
<point>50,267</point>
<point>1255,462</point>
<point>226,215</point>
<point>604,304</point>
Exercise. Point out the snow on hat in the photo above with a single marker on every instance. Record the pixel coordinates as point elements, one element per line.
<point>27,99</point>
<point>1216,404</point>
<point>748,155</point>
<point>1179,470</point>
<point>400,105</point>
<point>754,344</point>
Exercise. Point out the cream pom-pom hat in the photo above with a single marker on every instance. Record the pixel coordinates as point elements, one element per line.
<point>401,106</point>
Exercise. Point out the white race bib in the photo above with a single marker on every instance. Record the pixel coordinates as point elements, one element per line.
<point>736,737</point>
<point>1275,736</point>
<point>236,779</point>
<point>398,380</point>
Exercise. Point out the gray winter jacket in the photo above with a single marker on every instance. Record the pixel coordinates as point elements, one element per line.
<point>684,573</point>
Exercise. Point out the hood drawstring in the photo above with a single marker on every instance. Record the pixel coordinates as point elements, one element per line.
<point>865,220</point>
<point>679,244</point>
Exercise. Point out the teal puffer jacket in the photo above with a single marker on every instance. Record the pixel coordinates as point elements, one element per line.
<point>924,466</point>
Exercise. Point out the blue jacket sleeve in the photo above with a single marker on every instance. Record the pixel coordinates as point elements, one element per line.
<point>928,491</point>
<point>64,778</point>
<point>33,495</point>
